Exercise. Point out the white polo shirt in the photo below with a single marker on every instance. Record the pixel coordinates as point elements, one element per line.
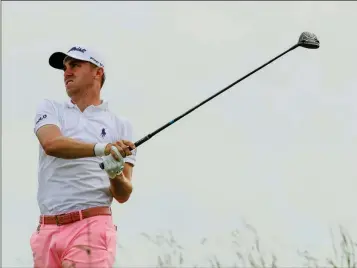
<point>66,185</point>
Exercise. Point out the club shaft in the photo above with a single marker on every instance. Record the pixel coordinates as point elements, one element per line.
<point>149,136</point>
<point>152,134</point>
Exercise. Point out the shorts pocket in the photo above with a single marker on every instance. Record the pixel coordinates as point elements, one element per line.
<point>110,235</point>
<point>34,236</point>
<point>111,242</point>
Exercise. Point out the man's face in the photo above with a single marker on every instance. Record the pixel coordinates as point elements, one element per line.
<point>78,75</point>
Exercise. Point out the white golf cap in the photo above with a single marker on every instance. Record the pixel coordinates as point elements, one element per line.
<point>56,60</point>
<point>77,52</point>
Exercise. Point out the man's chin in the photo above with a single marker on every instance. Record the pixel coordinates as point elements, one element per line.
<point>71,90</point>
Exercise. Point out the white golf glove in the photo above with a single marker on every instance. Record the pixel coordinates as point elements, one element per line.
<point>112,166</point>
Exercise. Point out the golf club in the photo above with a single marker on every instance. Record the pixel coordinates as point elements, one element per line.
<point>306,40</point>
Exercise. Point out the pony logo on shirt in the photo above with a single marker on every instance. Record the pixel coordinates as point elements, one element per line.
<point>103,133</point>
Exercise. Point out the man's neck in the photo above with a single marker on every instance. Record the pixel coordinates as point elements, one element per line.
<point>83,102</point>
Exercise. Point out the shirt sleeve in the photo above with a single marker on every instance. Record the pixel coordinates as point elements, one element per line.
<point>46,114</point>
<point>127,134</point>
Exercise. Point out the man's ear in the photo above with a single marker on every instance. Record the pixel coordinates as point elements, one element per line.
<point>99,72</point>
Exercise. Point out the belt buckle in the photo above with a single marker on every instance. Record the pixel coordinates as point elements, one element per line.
<point>57,222</point>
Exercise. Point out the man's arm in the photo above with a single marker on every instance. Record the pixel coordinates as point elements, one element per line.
<point>47,127</point>
<point>121,186</point>
<point>55,144</point>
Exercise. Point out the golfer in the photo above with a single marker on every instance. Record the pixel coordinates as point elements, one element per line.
<point>74,194</point>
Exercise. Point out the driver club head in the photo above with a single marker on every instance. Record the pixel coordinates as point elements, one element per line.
<point>308,40</point>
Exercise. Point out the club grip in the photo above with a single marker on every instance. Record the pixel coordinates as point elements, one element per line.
<point>137,144</point>
<point>101,165</point>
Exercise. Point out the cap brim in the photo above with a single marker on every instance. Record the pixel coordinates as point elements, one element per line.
<point>56,60</point>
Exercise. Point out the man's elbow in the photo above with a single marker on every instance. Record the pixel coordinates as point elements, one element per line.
<point>49,137</point>
<point>54,147</point>
<point>122,199</point>
<point>50,147</point>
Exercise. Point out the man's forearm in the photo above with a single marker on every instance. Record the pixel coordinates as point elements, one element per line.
<point>68,148</point>
<point>121,188</point>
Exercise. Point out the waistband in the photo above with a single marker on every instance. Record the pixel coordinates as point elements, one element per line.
<point>72,217</point>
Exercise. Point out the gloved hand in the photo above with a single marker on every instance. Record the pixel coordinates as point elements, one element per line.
<point>111,166</point>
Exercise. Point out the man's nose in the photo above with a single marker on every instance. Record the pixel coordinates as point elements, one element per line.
<point>67,72</point>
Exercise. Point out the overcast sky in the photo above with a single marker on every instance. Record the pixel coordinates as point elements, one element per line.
<point>276,151</point>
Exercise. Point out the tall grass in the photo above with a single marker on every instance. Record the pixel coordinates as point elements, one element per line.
<point>344,255</point>
<point>173,254</point>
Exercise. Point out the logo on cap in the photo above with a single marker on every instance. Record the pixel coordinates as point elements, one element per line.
<point>93,59</point>
<point>77,49</point>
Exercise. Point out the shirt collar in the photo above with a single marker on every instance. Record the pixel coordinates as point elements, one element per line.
<point>103,106</point>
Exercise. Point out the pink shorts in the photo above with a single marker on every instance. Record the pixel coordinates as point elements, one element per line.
<point>88,243</point>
